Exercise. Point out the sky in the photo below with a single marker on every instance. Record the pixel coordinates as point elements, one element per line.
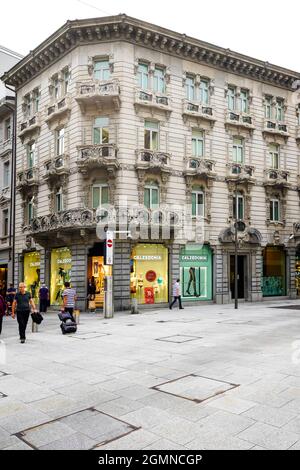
<point>264,29</point>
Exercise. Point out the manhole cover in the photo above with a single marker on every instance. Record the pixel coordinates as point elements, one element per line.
<point>195,388</point>
<point>179,338</point>
<point>85,336</point>
<point>86,429</point>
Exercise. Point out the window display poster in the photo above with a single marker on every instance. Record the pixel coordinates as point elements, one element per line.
<point>32,269</point>
<point>149,273</point>
<point>196,272</point>
<point>61,266</point>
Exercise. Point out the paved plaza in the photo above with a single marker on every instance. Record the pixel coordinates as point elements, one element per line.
<point>208,377</point>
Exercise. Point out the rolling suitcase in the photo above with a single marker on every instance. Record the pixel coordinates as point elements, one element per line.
<point>67,324</point>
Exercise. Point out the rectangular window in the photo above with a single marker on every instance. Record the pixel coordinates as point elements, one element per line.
<point>101,70</point>
<point>66,81</point>
<point>5,221</point>
<point>231,97</point>
<point>274,156</point>
<point>27,105</point>
<point>151,135</point>
<point>99,195</point>
<point>30,210</point>
<point>279,109</point>
<point>198,143</point>
<point>190,88</point>
<point>274,210</point>
<point>159,80</point>
<point>7,129</point>
<point>31,155</point>
<point>59,201</point>
<point>268,107</point>
<point>101,131</point>
<point>36,100</point>
<point>244,101</point>
<point>6,174</point>
<point>197,204</point>
<point>238,207</point>
<point>143,76</point>
<point>204,91</point>
<point>238,150</point>
<point>55,88</point>
<point>151,197</point>
<point>60,141</point>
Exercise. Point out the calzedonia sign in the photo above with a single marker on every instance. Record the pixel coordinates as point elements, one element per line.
<point>147,258</point>
<point>194,258</point>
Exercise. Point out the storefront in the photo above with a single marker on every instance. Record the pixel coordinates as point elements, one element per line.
<point>297,271</point>
<point>3,279</point>
<point>32,268</point>
<point>196,272</point>
<point>61,266</point>
<point>97,271</point>
<point>274,272</point>
<point>149,274</point>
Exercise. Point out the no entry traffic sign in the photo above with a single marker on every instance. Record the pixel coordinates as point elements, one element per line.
<point>109,248</point>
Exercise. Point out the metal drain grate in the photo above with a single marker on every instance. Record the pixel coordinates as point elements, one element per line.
<point>179,339</point>
<point>86,429</point>
<point>195,388</point>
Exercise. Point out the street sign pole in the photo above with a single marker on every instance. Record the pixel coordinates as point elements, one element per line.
<point>236,251</point>
<point>108,295</point>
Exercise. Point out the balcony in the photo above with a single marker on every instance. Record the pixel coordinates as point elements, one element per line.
<point>27,179</point>
<point>153,160</point>
<point>97,156</point>
<point>98,94</point>
<point>276,178</point>
<point>276,128</point>
<point>57,167</point>
<point>153,100</point>
<point>58,110</point>
<point>197,110</point>
<point>238,172</point>
<point>239,120</point>
<point>5,147</point>
<point>200,167</point>
<point>30,126</point>
<point>66,221</point>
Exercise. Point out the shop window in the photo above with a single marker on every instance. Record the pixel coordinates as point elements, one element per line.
<point>274,156</point>
<point>274,210</point>
<point>97,272</point>
<point>143,76</point>
<point>101,131</point>
<point>61,266</point>
<point>32,265</point>
<point>151,135</point>
<point>197,203</point>
<point>238,206</point>
<point>238,150</point>
<point>99,195</point>
<point>149,274</point>
<point>101,70</point>
<point>151,197</point>
<point>197,143</point>
<point>196,272</point>
<point>3,280</point>
<point>274,272</point>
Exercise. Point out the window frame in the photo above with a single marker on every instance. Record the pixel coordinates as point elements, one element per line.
<point>59,197</point>
<point>231,94</point>
<point>143,78</point>
<point>6,174</point>
<point>280,109</point>
<point>274,201</point>
<point>159,79</point>
<point>60,142</point>
<point>268,107</point>
<point>7,129</point>
<point>102,71</point>
<point>198,136</point>
<point>235,150</point>
<point>152,133</point>
<point>31,155</point>
<point>203,90</point>
<point>273,154</point>
<point>236,206</point>
<point>244,101</point>
<point>190,88</point>
<point>101,128</point>
<point>152,188</point>
<point>5,223</point>
<point>100,187</point>
<point>198,193</point>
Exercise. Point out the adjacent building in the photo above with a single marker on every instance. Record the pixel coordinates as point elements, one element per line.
<point>7,106</point>
<point>118,111</point>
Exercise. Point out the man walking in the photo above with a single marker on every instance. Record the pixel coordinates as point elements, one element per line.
<point>44,298</point>
<point>176,295</point>
<point>22,303</point>
<point>69,299</point>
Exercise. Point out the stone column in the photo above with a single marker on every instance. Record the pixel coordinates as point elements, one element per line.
<point>222,294</point>
<point>291,272</point>
<point>79,273</point>
<point>255,294</point>
<point>121,275</point>
<point>174,265</point>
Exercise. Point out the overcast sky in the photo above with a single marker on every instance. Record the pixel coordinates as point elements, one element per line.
<point>264,29</point>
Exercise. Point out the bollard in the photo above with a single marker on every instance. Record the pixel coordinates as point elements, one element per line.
<point>134,306</point>
<point>77,316</point>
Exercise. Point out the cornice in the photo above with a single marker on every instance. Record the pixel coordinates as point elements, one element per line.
<point>125,28</point>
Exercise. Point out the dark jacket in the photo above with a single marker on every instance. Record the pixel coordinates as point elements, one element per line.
<point>2,306</point>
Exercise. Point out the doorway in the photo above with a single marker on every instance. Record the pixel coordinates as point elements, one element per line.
<point>241,269</point>
<point>97,271</point>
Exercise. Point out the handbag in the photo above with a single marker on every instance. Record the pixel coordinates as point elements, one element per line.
<point>37,318</point>
<point>92,305</point>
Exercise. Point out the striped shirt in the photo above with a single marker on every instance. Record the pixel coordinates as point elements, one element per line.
<point>70,294</point>
<point>176,289</point>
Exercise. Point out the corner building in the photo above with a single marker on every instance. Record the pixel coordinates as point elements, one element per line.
<point>115,108</point>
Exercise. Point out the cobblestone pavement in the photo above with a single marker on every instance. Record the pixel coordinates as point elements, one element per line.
<point>208,377</point>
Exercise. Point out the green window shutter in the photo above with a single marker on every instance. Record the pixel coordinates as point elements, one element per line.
<point>147,198</point>
<point>155,198</point>
<point>104,195</point>
<point>194,204</point>
<point>96,197</point>
<point>97,136</point>
<point>241,208</point>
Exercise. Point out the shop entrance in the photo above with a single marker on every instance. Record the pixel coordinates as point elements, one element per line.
<point>97,271</point>
<point>241,269</point>
<point>3,280</point>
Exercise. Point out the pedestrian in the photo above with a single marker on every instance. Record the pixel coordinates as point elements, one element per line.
<point>10,297</point>
<point>91,289</point>
<point>44,298</point>
<point>69,299</point>
<point>22,304</point>
<point>2,311</point>
<point>176,295</point>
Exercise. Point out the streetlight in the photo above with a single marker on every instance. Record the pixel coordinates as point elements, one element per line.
<point>239,226</point>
